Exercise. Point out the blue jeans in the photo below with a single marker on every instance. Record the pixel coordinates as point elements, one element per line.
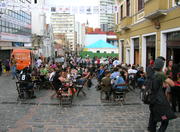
<point>140,81</point>
<point>13,71</point>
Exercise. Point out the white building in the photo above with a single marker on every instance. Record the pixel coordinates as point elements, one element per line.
<point>109,37</point>
<point>80,30</point>
<point>15,29</point>
<point>101,46</point>
<point>38,17</point>
<point>42,30</point>
<point>107,20</point>
<point>64,23</point>
<point>48,42</point>
<point>92,38</point>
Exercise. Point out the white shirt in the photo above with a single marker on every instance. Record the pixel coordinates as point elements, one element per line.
<point>132,71</point>
<point>39,61</point>
<point>51,76</point>
<point>116,62</point>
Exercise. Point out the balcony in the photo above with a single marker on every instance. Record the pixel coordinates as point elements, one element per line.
<point>155,8</point>
<point>125,23</point>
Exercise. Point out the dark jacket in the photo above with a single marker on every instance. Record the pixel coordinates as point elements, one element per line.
<point>106,84</point>
<point>56,82</point>
<point>160,105</point>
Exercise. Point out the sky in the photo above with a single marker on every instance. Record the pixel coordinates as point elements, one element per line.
<point>82,18</point>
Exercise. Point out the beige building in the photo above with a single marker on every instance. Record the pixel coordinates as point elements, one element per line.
<point>64,23</point>
<point>147,29</point>
<point>107,20</point>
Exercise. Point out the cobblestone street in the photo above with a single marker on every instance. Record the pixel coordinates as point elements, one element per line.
<point>88,114</point>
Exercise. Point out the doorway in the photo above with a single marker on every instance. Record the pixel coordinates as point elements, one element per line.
<point>173,46</point>
<point>150,48</point>
<point>136,51</point>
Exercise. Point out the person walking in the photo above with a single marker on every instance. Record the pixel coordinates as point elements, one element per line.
<point>0,67</point>
<point>13,67</point>
<point>160,110</point>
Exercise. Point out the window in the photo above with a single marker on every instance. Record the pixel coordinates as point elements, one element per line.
<point>121,11</point>
<point>117,18</point>
<point>3,23</point>
<point>98,51</point>
<point>3,29</point>
<point>7,24</point>
<point>112,52</point>
<point>140,4</point>
<point>128,7</point>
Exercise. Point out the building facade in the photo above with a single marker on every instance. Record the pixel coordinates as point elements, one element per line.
<point>40,38</point>
<point>15,30</point>
<point>48,42</point>
<point>64,23</point>
<point>38,18</point>
<point>147,29</point>
<point>95,35</point>
<point>107,20</point>
<point>80,36</point>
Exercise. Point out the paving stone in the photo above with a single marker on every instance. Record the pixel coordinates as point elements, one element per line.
<point>93,130</point>
<point>27,130</point>
<point>115,130</point>
<point>103,130</point>
<point>38,129</point>
<point>88,114</point>
<point>138,130</point>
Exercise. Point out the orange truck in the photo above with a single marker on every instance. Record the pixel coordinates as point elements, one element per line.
<point>24,58</point>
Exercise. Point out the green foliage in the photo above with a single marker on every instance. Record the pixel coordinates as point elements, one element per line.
<point>84,54</point>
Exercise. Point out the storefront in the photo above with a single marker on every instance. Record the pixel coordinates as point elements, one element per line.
<point>173,46</point>
<point>8,42</point>
<point>136,51</point>
<point>170,44</point>
<point>121,51</point>
<point>134,43</point>
<point>150,48</point>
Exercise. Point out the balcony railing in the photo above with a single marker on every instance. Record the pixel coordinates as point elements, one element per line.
<point>155,8</point>
<point>125,23</point>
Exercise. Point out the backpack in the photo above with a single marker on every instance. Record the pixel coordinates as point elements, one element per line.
<point>146,91</point>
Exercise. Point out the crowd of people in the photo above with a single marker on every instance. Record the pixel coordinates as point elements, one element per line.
<point>112,76</point>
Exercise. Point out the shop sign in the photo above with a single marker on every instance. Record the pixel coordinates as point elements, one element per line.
<point>14,37</point>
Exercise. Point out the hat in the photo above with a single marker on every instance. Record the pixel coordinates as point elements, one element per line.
<point>158,64</point>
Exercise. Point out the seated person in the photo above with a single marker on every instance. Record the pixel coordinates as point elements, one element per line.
<point>119,84</point>
<point>140,77</point>
<point>52,74</point>
<point>115,73</point>
<point>64,80</point>
<point>26,82</point>
<point>43,73</point>
<point>106,84</point>
<point>80,81</point>
<point>56,83</point>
